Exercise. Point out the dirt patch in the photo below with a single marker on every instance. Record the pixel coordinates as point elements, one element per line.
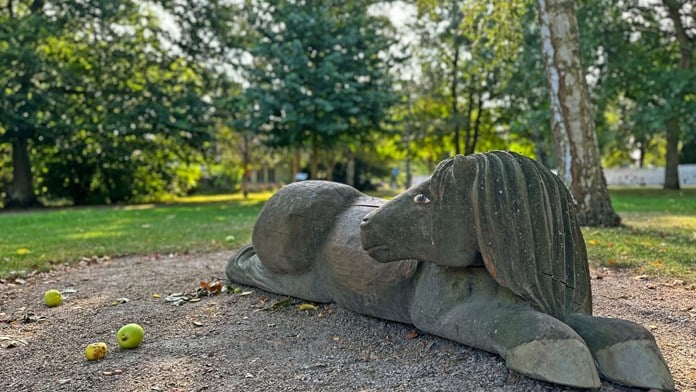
<point>235,342</point>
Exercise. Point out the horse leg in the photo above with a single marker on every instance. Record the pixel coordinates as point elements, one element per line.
<point>625,351</point>
<point>467,306</point>
<point>246,268</point>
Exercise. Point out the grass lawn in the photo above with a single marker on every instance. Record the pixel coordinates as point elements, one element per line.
<point>659,236</point>
<point>36,239</point>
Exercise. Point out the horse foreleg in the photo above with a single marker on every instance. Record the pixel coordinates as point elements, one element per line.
<point>466,305</point>
<point>625,351</point>
<point>246,268</point>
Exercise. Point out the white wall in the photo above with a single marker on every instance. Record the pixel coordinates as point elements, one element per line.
<point>651,176</point>
<point>632,176</point>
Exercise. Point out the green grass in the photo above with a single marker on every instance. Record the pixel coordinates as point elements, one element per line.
<point>37,239</point>
<point>659,236</point>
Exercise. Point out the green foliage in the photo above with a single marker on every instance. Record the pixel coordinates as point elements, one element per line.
<point>110,112</point>
<point>634,55</point>
<point>527,106</point>
<point>465,54</point>
<point>319,74</point>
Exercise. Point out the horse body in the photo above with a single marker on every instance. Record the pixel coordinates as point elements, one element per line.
<point>338,269</point>
<point>422,261</point>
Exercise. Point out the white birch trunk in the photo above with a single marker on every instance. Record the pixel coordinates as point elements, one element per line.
<point>575,139</point>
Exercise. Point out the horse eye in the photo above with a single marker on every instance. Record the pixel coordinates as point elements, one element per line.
<point>421,199</point>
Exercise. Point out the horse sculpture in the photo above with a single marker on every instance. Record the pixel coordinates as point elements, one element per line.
<point>487,253</point>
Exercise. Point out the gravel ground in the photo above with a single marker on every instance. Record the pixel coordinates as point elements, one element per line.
<point>230,342</point>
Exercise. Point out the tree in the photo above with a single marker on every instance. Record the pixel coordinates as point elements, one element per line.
<point>575,139</point>
<point>466,51</point>
<point>526,97</point>
<point>684,67</point>
<point>22,110</point>
<point>642,56</point>
<point>109,112</point>
<point>319,75</point>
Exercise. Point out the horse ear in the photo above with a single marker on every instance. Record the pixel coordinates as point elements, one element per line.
<point>465,171</point>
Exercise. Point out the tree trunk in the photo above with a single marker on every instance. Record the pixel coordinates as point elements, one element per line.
<point>314,159</point>
<point>575,139</point>
<point>469,110</point>
<point>21,192</point>
<point>470,149</point>
<point>245,165</point>
<point>672,158</point>
<point>409,176</point>
<point>350,170</point>
<point>295,163</point>
<point>455,98</point>
<point>674,125</point>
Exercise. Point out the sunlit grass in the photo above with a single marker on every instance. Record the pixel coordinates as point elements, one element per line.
<point>252,198</point>
<point>37,239</point>
<point>658,237</point>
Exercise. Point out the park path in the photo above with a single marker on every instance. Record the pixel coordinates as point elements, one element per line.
<point>256,341</point>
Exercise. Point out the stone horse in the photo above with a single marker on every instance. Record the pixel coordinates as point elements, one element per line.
<point>487,253</point>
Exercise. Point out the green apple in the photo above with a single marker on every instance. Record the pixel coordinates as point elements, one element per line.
<point>130,336</point>
<point>53,298</point>
<point>95,351</point>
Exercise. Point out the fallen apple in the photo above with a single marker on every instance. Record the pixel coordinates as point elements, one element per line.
<point>96,351</point>
<point>53,298</point>
<point>130,336</point>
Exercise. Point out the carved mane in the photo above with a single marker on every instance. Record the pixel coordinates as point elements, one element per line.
<point>526,228</point>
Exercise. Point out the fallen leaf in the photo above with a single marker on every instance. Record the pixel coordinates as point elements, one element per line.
<point>197,324</point>
<point>307,306</point>
<point>32,318</point>
<point>22,251</point>
<point>412,334</point>
<point>593,242</point>
<point>211,287</point>
<point>282,303</point>
<point>7,341</point>
<point>215,287</point>
<point>119,301</point>
<point>155,295</point>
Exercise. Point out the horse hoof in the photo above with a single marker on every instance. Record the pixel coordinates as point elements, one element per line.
<point>560,361</point>
<point>635,363</point>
